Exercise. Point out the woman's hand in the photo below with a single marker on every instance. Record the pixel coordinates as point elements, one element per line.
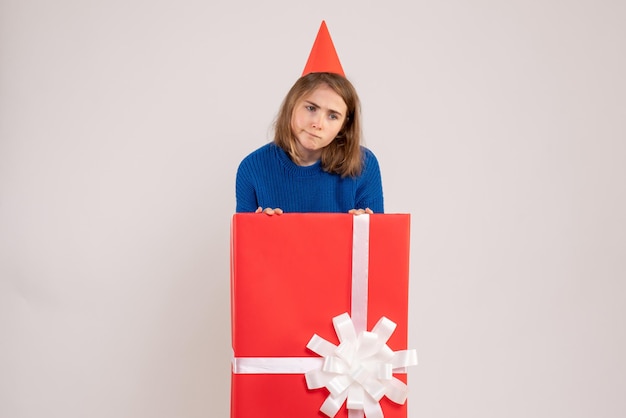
<point>269,211</point>
<point>361,211</point>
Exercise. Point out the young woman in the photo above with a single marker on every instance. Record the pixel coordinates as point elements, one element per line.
<point>316,162</point>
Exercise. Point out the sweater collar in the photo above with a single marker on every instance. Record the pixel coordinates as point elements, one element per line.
<point>295,169</point>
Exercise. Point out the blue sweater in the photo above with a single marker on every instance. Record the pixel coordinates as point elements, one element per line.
<point>268,178</point>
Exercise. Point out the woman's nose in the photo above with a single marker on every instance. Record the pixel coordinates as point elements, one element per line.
<point>317,122</point>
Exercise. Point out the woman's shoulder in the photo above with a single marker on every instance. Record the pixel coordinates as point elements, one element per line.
<point>367,153</point>
<point>370,168</point>
<point>262,153</point>
<point>369,158</point>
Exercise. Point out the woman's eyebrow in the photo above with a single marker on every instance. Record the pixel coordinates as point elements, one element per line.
<point>319,107</point>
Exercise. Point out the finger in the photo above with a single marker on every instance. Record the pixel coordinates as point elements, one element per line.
<point>259,210</point>
<point>278,211</point>
<point>369,211</point>
<point>269,211</point>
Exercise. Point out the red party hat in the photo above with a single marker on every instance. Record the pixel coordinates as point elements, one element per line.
<point>323,57</point>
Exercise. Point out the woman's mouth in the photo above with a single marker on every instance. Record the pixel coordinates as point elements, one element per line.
<point>314,136</point>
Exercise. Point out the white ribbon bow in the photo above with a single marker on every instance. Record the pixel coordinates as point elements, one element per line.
<point>360,369</point>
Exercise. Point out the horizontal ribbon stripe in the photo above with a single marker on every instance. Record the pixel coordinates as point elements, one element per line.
<point>276,365</point>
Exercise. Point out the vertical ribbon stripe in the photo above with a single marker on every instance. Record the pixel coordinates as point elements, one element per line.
<point>360,276</point>
<point>360,270</point>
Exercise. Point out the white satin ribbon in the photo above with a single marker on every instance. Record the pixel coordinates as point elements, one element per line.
<point>360,270</point>
<point>275,365</point>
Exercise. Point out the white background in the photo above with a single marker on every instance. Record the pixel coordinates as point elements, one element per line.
<point>499,125</point>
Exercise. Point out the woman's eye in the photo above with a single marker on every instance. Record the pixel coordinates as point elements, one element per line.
<point>334,116</point>
<point>310,108</point>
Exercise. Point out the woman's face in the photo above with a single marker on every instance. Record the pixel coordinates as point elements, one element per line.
<point>316,120</point>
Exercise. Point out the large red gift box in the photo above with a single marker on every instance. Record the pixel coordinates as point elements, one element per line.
<point>290,276</point>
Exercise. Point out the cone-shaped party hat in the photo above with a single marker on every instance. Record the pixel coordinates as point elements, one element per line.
<point>323,57</point>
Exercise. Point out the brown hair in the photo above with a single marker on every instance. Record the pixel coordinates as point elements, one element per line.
<point>343,155</point>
